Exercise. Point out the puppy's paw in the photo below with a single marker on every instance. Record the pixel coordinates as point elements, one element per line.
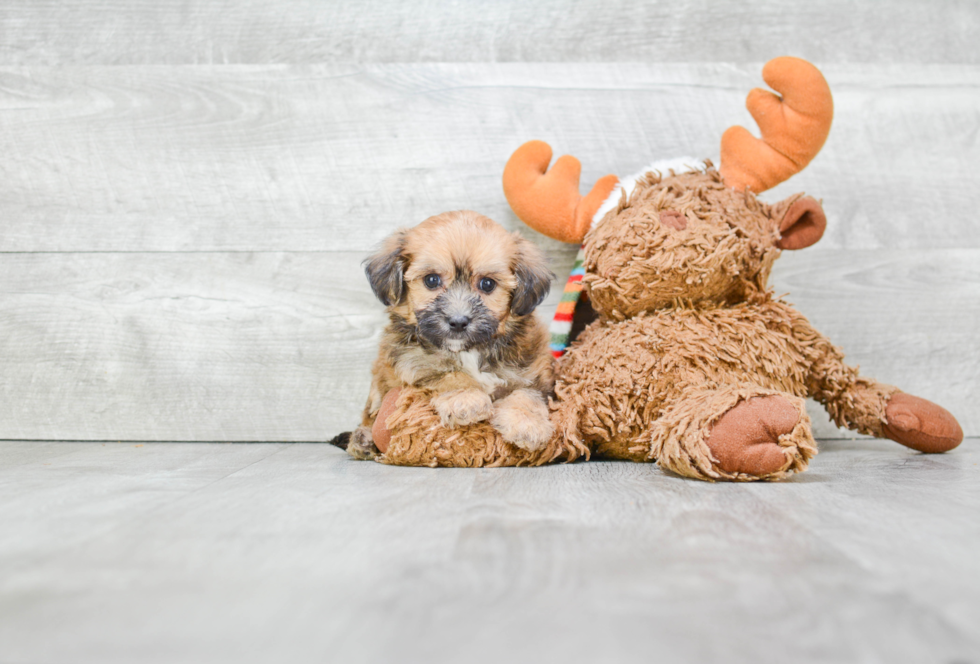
<point>461,407</point>
<point>361,445</point>
<point>522,419</point>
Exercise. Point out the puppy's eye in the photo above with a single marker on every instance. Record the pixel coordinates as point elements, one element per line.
<point>487,285</point>
<point>432,281</point>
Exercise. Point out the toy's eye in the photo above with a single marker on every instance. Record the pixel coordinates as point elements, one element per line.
<point>432,281</point>
<point>487,284</point>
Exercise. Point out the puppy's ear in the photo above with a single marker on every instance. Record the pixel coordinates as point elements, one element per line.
<point>385,270</point>
<point>533,278</point>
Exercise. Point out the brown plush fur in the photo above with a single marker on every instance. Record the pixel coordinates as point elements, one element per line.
<point>688,329</point>
<point>692,362</point>
<point>724,253</point>
<point>418,438</point>
<point>490,383</point>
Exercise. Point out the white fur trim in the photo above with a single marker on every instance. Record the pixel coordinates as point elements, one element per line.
<point>664,166</point>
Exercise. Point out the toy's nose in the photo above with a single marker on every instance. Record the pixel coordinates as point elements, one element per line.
<point>458,323</point>
<point>674,219</point>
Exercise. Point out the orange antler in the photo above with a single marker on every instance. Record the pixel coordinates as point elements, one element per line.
<point>794,127</point>
<point>549,201</point>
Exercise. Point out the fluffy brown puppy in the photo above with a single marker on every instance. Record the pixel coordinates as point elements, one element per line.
<point>460,293</point>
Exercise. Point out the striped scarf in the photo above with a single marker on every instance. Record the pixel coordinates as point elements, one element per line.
<point>562,323</point>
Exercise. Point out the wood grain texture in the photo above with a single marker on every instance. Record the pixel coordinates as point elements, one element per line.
<point>305,31</point>
<point>277,346</point>
<point>295,553</point>
<point>334,157</point>
<point>170,346</point>
<point>187,192</point>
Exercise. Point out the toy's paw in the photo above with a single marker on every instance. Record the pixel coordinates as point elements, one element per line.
<point>745,439</point>
<point>379,432</point>
<point>361,446</point>
<point>522,419</point>
<point>461,407</point>
<point>921,424</point>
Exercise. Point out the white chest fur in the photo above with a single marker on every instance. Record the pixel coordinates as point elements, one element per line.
<point>470,363</point>
<point>418,367</point>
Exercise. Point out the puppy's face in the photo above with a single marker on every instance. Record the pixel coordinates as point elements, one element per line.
<point>458,278</point>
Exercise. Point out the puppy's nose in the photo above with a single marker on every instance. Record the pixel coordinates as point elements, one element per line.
<point>459,323</point>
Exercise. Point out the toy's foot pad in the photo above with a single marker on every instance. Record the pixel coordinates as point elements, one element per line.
<point>379,432</point>
<point>746,438</point>
<point>921,424</point>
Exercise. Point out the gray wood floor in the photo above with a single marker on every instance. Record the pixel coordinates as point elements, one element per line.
<point>187,192</point>
<point>205,552</point>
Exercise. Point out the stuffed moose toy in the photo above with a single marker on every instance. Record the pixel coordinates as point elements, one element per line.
<point>686,357</point>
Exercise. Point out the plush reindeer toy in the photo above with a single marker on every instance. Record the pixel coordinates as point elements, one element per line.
<point>691,361</point>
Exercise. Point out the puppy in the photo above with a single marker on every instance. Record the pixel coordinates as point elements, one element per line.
<point>460,292</point>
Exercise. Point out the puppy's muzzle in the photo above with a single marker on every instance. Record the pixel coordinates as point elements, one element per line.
<point>456,320</point>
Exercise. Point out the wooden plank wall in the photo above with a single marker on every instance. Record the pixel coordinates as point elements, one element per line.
<point>187,192</point>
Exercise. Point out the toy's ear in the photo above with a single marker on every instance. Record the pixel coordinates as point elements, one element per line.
<point>385,270</point>
<point>802,224</point>
<point>533,278</point>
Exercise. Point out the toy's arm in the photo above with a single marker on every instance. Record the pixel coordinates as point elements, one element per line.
<point>873,408</point>
<point>853,402</point>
